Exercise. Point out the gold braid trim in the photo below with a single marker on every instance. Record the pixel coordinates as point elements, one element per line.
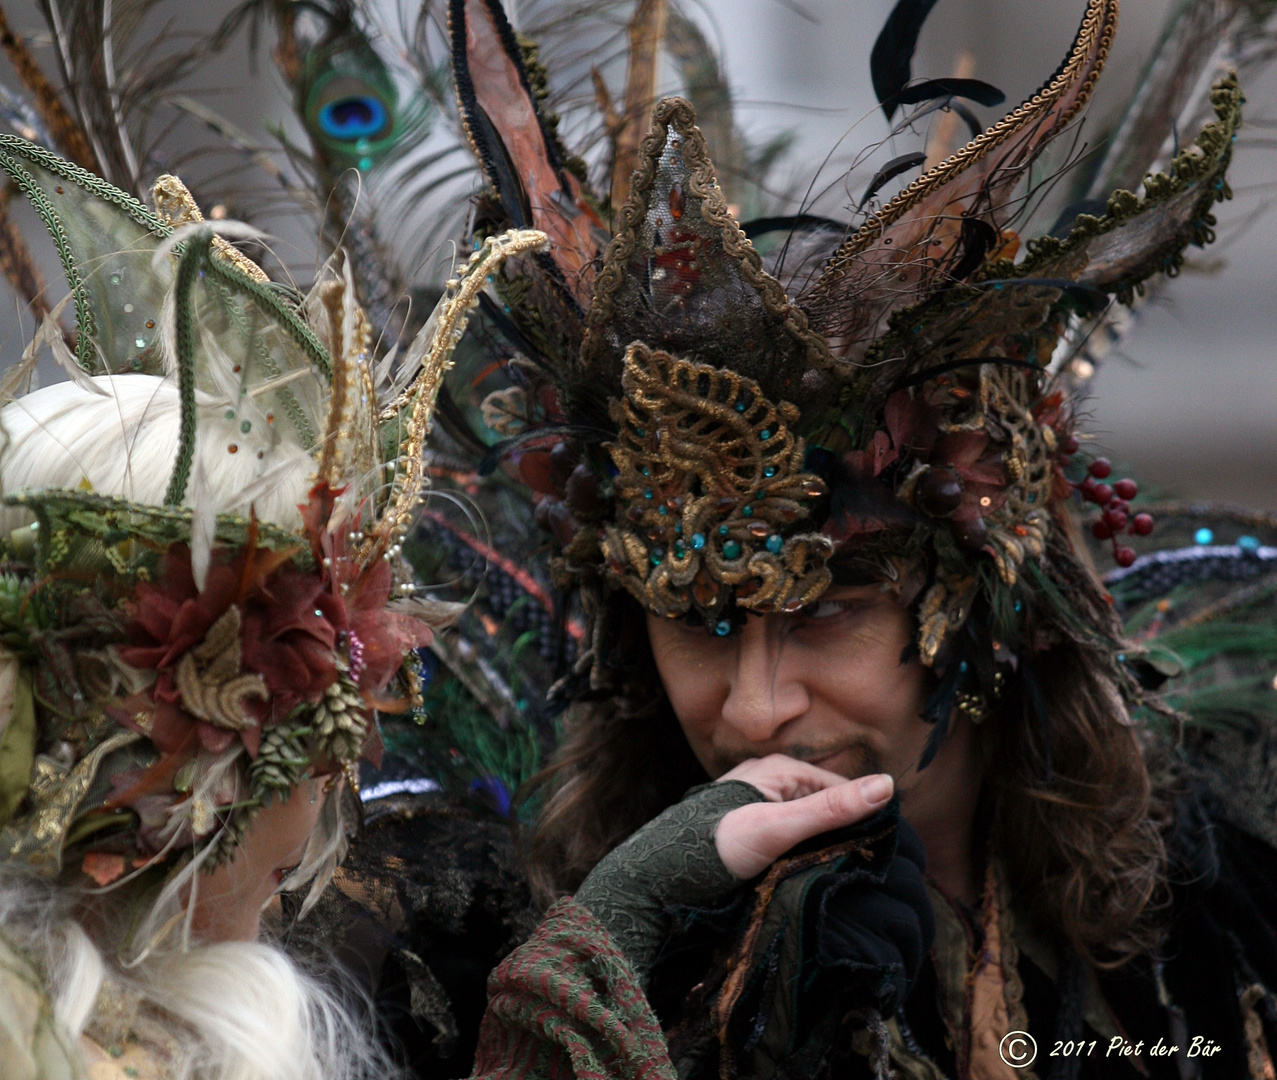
<point>709,479</point>
<point>1013,985</point>
<point>176,205</point>
<point>1084,63</point>
<point>1259,1061</point>
<point>418,399</point>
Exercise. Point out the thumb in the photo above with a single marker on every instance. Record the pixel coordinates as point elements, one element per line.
<point>751,838</point>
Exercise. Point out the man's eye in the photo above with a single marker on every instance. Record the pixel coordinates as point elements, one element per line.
<point>827,609</point>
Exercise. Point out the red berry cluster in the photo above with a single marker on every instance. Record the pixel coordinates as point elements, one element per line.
<point>1114,501</point>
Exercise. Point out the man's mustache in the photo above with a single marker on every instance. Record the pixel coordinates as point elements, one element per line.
<point>866,758</point>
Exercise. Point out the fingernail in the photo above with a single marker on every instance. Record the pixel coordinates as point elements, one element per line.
<point>876,789</point>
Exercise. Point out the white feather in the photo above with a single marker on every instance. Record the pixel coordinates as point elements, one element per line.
<point>49,333</point>
<point>416,353</point>
<point>228,230</point>
<point>203,522</point>
<point>384,366</point>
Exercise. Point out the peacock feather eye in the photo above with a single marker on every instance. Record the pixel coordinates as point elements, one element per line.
<point>350,104</point>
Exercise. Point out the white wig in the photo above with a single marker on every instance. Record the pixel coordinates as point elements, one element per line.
<point>119,435</point>
<point>230,1011</point>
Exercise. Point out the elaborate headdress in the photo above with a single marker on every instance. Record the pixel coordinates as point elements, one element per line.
<point>170,666</point>
<point>717,434</point>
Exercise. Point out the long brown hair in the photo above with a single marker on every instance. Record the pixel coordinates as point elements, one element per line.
<point>1076,817</point>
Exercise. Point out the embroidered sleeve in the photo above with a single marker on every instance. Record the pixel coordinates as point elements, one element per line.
<point>567,1005</point>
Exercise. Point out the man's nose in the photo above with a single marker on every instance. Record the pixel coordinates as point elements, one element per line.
<point>765,689</point>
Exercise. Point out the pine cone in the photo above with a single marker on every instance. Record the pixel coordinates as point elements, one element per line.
<point>281,762</point>
<point>340,721</point>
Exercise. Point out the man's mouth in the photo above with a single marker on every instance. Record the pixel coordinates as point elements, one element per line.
<point>862,757</point>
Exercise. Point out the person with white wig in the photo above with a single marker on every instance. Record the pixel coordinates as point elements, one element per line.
<point>203,605</point>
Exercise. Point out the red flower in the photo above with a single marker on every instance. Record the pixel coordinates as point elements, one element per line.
<point>293,626</point>
<point>289,627</point>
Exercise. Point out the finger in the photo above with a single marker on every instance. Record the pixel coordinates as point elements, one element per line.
<point>783,778</point>
<point>751,838</point>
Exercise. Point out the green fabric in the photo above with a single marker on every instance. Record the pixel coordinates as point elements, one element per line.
<point>567,1005</point>
<point>17,747</point>
<point>671,860</point>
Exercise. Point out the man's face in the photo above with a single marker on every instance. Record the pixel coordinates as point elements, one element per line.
<point>825,686</point>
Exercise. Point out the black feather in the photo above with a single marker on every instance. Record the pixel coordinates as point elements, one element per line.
<point>454,423</point>
<point>790,223</point>
<point>507,328</point>
<point>501,171</point>
<point>548,434</point>
<point>973,124</point>
<point>982,93</point>
<point>927,374</point>
<point>978,238</point>
<point>939,708</point>
<point>892,169</point>
<point>891,62</point>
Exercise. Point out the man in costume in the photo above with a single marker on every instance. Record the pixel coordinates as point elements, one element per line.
<point>824,505</point>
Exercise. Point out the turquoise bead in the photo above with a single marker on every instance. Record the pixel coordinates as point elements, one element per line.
<point>731,550</point>
<point>748,511</point>
<point>775,543</point>
<point>723,628</point>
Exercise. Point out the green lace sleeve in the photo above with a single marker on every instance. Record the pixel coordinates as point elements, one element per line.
<point>671,860</point>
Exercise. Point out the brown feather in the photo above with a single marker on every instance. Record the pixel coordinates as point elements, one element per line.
<point>67,135</point>
<point>554,197</point>
<point>16,261</point>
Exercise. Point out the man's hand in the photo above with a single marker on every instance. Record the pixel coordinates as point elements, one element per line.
<point>803,801</point>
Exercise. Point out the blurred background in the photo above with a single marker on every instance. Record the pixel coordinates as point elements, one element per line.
<point>1186,403</point>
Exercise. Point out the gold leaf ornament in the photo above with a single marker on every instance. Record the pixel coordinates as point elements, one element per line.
<point>211,682</point>
<point>709,486</point>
